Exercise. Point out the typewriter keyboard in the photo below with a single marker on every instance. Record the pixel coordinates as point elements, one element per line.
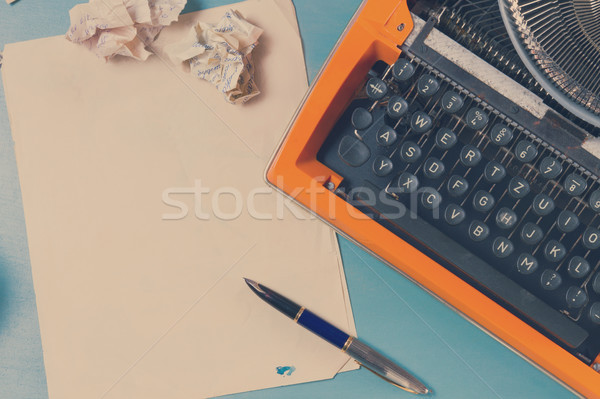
<point>493,202</point>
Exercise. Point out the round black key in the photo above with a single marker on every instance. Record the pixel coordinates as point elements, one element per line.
<point>550,168</point>
<point>483,201</point>
<point>576,297</point>
<point>427,85</point>
<point>410,152</point>
<point>454,214</point>
<point>550,280</point>
<point>403,70</point>
<point>595,201</point>
<point>567,221</point>
<point>525,151</point>
<point>376,89</point>
<point>574,184</point>
<point>382,166</point>
<point>594,313</point>
<point>433,168</point>
<point>501,134</point>
<point>494,172</point>
<point>527,263</point>
<point>353,151</point>
<point>596,283</point>
<point>476,119</point>
<point>396,107</point>
<point>470,156</point>
<point>531,234</point>
<point>554,251</point>
<point>502,247</point>
<point>542,205</point>
<point>518,187</point>
<point>578,267</point>
<point>386,136</point>
<point>452,102</point>
<point>361,118</point>
<point>457,185</point>
<point>445,138</point>
<point>591,238</point>
<point>430,198</point>
<point>478,231</point>
<point>420,122</point>
<point>407,183</point>
<point>506,218</point>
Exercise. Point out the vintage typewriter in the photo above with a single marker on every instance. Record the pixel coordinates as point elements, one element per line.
<point>455,140</point>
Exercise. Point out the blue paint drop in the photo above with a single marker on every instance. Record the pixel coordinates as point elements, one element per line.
<point>285,370</point>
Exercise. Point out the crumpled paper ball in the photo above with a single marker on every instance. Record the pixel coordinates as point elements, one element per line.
<point>121,27</point>
<point>222,55</point>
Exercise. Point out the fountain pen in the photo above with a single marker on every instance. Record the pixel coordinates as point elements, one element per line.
<point>363,354</point>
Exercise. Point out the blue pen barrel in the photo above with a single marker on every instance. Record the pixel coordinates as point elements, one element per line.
<point>323,329</point>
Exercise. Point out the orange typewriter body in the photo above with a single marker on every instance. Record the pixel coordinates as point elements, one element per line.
<point>295,171</point>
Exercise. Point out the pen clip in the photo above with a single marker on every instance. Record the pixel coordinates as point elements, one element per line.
<point>386,379</point>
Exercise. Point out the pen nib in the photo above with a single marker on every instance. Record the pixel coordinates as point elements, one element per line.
<point>253,285</point>
<point>248,281</point>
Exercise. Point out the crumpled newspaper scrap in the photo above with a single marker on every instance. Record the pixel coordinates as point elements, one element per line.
<point>221,54</point>
<point>121,27</point>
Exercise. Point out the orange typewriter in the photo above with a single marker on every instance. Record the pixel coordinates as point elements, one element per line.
<point>441,141</point>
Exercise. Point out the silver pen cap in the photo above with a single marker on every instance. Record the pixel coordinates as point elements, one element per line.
<point>384,367</point>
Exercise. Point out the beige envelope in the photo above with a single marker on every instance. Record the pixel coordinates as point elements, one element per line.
<point>138,298</point>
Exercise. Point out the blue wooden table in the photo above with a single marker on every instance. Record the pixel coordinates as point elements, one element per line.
<point>452,356</point>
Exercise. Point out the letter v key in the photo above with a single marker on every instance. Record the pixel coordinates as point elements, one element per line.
<point>454,214</point>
